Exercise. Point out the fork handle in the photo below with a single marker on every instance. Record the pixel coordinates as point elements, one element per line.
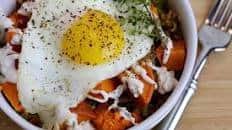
<point>182,104</point>
<point>171,121</point>
<point>175,115</point>
<point>179,109</point>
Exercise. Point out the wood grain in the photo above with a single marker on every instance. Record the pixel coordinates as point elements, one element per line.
<point>6,123</point>
<point>212,105</point>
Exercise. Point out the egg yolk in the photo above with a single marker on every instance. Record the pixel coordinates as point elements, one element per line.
<point>95,38</point>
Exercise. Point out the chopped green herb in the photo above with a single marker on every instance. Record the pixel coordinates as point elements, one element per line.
<point>135,17</point>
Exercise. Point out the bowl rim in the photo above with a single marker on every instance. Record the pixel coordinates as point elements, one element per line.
<point>163,111</point>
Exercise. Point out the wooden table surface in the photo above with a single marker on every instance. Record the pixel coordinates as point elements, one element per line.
<point>211,107</point>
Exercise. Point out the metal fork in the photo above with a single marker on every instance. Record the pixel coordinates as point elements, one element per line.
<point>214,36</point>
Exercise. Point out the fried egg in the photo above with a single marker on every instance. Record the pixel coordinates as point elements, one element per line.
<point>68,47</point>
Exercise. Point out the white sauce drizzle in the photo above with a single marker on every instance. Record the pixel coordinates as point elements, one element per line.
<point>143,73</point>
<point>103,93</point>
<point>26,8</point>
<point>62,115</point>
<point>7,55</point>
<point>122,110</point>
<point>86,125</point>
<point>135,86</point>
<point>114,95</point>
<point>16,40</point>
<point>71,122</point>
<point>106,96</point>
<point>7,63</point>
<point>126,114</point>
<point>167,81</point>
<point>166,40</point>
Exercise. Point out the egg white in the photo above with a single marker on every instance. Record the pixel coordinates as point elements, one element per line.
<point>47,82</point>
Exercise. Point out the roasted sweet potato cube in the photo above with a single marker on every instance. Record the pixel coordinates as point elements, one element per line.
<point>177,57</point>
<point>11,93</point>
<point>107,85</point>
<point>19,20</point>
<point>9,36</point>
<point>148,90</point>
<point>84,112</point>
<point>137,115</point>
<point>109,120</point>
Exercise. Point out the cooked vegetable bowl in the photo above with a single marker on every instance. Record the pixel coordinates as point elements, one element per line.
<point>94,64</point>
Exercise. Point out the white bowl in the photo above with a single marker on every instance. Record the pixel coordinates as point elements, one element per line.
<point>185,13</point>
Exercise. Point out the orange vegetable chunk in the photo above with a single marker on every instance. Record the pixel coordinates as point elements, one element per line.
<point>84,112</point>
<point>177,57</point>
<point>109,120</point>
<point>11,93</point>
<point>148,90</point>
<point>107,85</point>
<point>19,20</point>
<point>9,36</point>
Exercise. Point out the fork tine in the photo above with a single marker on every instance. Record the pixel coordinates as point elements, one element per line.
<point>212,12</point>
<point>225,14</point>
<point>228,24</point>
<point>216,11</point>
